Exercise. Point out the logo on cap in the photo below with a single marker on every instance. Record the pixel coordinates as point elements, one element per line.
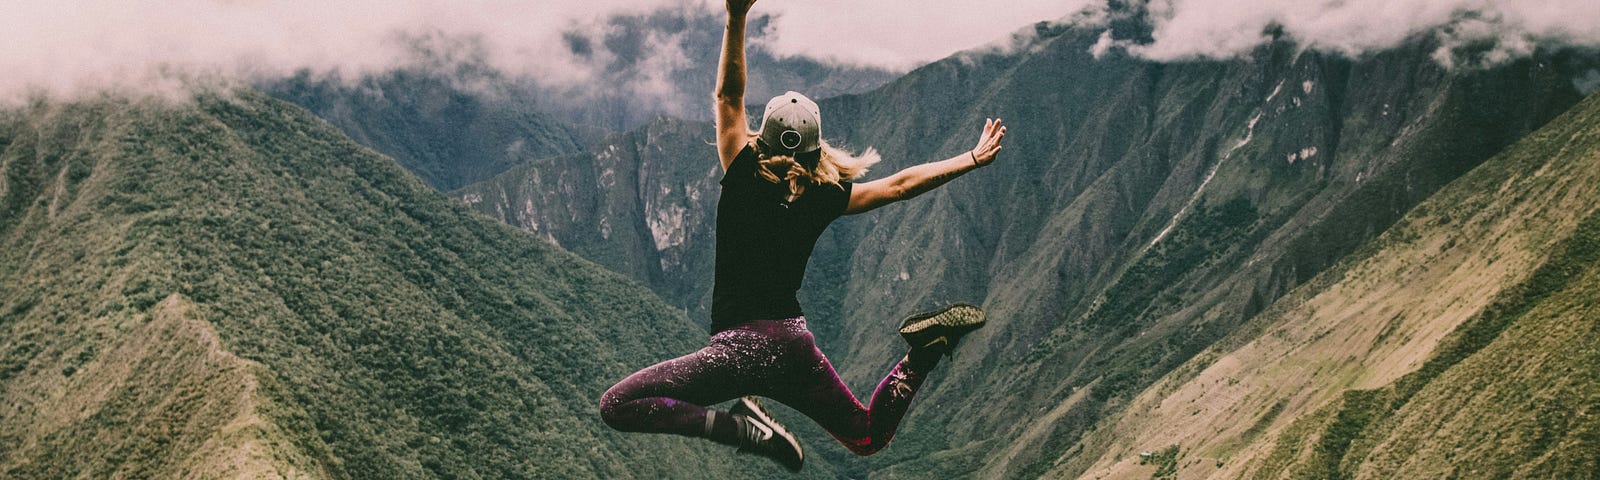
<point>790,139</point>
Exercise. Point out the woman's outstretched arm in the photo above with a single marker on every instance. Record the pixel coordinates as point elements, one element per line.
<point>732,131</point>
<point>907,184</point>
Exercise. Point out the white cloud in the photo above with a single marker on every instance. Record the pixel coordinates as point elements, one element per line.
<point>1227,28</point>
<point>901,33</point>
<point>62,47</point>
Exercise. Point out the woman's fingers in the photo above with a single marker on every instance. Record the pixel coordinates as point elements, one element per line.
<point>994,130</point>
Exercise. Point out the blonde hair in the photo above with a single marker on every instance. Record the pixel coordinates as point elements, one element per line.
<point>833,166</point>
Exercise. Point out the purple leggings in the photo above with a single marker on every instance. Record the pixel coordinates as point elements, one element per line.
<point>777,359</point>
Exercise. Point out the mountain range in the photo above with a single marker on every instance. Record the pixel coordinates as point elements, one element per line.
<point>1289,264</point>
<point>1142,212</point>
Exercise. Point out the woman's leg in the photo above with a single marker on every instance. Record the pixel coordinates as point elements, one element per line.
<point>819,393</point>
<point>669,397</point>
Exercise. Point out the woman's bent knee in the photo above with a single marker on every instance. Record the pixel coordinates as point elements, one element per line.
<point>610,408</point>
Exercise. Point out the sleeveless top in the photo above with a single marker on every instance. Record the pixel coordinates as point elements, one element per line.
<point>764,242</point>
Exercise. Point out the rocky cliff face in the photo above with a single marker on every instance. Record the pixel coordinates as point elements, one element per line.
<point>1141,213</point>
<point>642,204</point>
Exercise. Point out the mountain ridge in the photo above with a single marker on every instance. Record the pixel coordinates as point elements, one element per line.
<point>270,298</point>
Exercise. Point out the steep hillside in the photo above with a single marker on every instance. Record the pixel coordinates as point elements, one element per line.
<point>229,287</point>
<point>438,126</point>
<point>1461,343</point>
<point>1176,201</point>
<point>1141,212</point>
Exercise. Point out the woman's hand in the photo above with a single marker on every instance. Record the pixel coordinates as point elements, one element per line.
<point>739,7</point>
<point>988,143</point>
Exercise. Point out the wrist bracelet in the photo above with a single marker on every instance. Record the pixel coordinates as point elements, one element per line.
<point>974,158</point>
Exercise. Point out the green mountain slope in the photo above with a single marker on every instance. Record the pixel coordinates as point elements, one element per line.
<point>230,287</point>
<point>1459,344</point>
<point>1142,211</point>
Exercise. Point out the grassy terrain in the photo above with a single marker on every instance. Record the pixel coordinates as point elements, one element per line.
<point>1455,345</point>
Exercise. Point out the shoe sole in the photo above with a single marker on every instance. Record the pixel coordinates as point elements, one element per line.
<point>958,316</point>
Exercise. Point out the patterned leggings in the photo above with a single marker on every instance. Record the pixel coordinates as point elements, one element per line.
<point>777,359</point>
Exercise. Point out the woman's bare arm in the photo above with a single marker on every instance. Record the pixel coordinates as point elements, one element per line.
<point>732,131</point>
<point>911,182</point>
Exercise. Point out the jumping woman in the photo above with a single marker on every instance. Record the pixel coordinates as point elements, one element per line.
<point>781,187</point>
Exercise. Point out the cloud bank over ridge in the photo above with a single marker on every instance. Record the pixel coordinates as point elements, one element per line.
<point>68,47</point>
<point>63,48</point>
<point>1501,29</point>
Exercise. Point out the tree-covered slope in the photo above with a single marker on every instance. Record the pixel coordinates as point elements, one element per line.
<point>1459,344</point>
<point>228,286</point>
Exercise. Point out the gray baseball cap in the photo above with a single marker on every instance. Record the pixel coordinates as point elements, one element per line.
<point>792,123</point>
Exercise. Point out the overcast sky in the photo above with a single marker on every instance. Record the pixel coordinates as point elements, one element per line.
<point>66,46</point>
<point>61,46</point>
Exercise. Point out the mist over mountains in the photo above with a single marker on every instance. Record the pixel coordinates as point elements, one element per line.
<point>460,120</point>
<point>80,49</point>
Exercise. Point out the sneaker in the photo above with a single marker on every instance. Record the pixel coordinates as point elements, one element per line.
<point>760,434</point>
<point>939,330</point>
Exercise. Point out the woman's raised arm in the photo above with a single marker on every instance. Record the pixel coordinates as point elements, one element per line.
<point>732,130</point>
<point>911,182</point>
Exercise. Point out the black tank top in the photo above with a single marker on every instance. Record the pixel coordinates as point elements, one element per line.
<point>764,242</point>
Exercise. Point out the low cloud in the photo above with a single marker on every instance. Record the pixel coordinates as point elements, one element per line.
<point>901,33</point>
<point>66,48</point>
<point>63,48</point>
<point>1494,30</point>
